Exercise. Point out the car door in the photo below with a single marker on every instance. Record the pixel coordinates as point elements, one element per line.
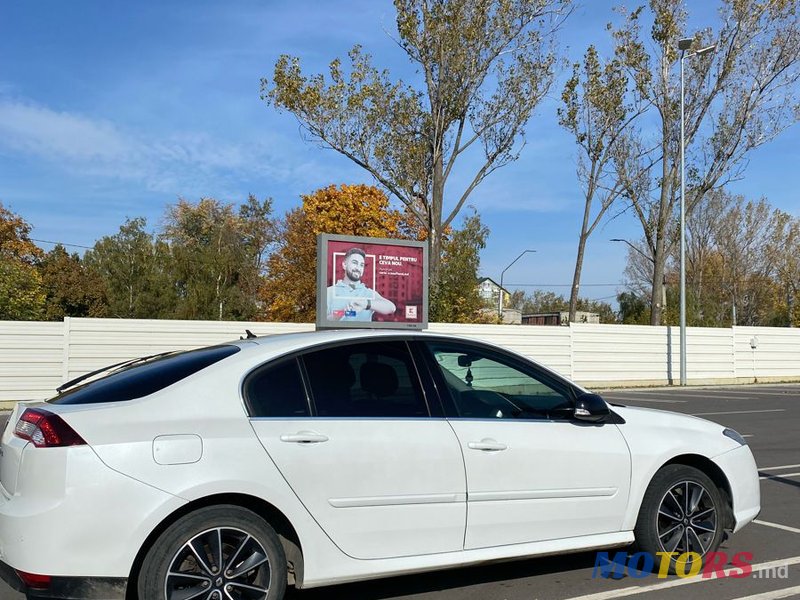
<point>533,472</point>
<point>355,440</point>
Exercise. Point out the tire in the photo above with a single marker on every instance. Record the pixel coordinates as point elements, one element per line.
<point>223,552</point>
<point>682,511</point>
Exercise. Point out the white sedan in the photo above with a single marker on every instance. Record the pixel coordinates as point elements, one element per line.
<point>313,459</point>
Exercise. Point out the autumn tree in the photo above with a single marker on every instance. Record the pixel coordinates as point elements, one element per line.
<point>486,64</point>
<point>21,293</point>
<point>289,291</point>
<point>600,104</point>
<point>135,271</point>
<point>71,289</point>
<point>736,99</point>
<point>741,263</point>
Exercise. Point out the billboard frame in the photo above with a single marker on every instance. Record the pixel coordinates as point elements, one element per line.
<point>322,322</point>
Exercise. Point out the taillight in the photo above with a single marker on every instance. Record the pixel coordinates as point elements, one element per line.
<point>46,430</point>
<point>36,582</point>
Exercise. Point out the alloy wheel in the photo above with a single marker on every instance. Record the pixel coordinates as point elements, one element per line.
<point>223,563</point>
<point>687,519</point>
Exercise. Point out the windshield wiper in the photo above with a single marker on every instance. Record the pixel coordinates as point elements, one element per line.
<point>115,367</point>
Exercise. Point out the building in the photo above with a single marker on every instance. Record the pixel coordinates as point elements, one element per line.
<point>489,291</point>
<point>559,318</point>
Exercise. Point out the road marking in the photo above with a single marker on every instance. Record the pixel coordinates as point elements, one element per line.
<point>778,468</point>
<point>779,476</point>
<point>739,412</point>
<point>773,595</point>
<point>626,399</point>
<point>777,526</point>
<point>642,589</point>
<point>753,394</point>
<point>710,396</point>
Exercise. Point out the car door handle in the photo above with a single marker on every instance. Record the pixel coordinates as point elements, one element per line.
<point>304,437</point>
<point>487,445</point>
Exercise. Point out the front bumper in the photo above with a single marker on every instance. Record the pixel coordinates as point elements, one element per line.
<point>740,468</point>
<point>68,588</point>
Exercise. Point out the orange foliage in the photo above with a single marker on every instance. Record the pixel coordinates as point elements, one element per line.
<point>289,290</point>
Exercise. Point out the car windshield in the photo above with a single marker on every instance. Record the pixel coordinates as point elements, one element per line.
<point>137,379</point>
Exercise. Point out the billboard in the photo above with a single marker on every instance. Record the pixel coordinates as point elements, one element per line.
<point>371,282</point>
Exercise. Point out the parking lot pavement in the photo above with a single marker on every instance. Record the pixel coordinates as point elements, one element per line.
<point>769,417</point>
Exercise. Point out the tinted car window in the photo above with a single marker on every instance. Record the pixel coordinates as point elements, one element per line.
<point>484,385</point>
<point>143,379</point>
<point>375,379</point>
<point>276,390</point>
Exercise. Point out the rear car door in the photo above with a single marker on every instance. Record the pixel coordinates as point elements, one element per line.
<point>351,431</point>
<point>533,472</point>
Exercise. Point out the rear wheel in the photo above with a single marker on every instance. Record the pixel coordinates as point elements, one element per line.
<point>682,513</point>
<point>215,553</point>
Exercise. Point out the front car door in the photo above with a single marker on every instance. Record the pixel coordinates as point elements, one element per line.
<point>533,472</point>
<point>350,429</point>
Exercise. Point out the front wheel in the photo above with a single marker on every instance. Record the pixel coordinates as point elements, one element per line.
<point>682,513</point>
<point>215,553</point>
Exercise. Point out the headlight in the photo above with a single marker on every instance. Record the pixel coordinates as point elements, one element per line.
<point>734,435</point>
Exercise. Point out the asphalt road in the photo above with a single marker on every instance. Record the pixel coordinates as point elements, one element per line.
<point>769,418</point>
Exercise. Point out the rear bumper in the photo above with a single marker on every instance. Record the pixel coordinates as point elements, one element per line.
<point>68,588</point>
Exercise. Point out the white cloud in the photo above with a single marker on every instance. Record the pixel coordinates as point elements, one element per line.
<point>184,163</point>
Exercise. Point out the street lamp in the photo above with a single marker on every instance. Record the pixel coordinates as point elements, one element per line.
<point>684,45</point>
<point>500,301</point>
<point>632,247</point>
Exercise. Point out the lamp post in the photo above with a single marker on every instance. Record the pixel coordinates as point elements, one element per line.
<point>500,301</point>
<point>684,45</point>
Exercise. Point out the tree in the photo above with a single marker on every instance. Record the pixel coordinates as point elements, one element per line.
<point>289,290</point>
<point>633,309</point>
<point>135,271</point>
<point>455,297</point>
<point>217,256</point>
<point>548,302</point>
<point>597,112</point>
<point>486,65</point>
<point>784,246</point>
<point>71,290</point>
<point>21,294</point>
<point>737,99</point>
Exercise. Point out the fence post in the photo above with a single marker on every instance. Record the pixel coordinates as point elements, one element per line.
<point>65,361</point>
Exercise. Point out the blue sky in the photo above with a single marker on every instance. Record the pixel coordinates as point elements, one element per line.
<point>112,109</point>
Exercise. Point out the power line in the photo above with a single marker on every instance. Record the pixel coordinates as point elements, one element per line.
<point>61,244</point>
<point>561,284</point>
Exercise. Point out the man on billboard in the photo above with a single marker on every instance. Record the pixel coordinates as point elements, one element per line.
<point>349,299</point>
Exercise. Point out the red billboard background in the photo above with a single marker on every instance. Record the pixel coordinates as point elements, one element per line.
<point>396,272</point>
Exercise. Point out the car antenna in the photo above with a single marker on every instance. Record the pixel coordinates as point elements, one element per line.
<point>250,334</point>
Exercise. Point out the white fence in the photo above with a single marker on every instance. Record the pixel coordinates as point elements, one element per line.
<point>36,357</point>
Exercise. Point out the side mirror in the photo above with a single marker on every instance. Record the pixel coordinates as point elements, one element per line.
<point>591,408</point>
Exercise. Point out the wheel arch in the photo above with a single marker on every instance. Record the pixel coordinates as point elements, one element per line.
<point>712,470</point>
<point>283,527</point>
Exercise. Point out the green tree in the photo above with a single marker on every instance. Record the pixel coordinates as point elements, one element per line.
<point>135,271</point>
<point>600,106</point>
<point>217,256</point>
<point>21,293</point>
<point>71,289</point>
<point>486,64</point>
<point>290,290</point>
<point>454,298</point>
<point>736,99</point>
<point>633,309</point>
